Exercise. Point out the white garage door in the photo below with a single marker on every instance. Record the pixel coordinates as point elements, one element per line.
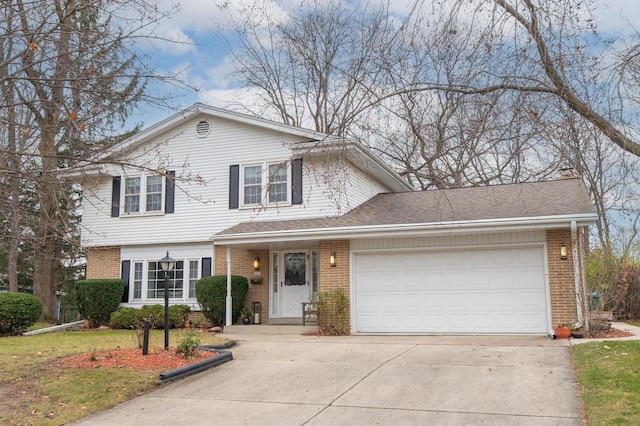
<point>462,291</point>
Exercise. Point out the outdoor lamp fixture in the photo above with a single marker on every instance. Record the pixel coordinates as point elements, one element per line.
<point>167,264</point>
<point>563,251</point>
<point>332,259</point>
<point>256,263</point>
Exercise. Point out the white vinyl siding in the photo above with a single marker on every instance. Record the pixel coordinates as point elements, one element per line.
<point>201,210</point>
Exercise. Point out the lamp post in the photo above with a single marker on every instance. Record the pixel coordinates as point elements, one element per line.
<point>167,264</point>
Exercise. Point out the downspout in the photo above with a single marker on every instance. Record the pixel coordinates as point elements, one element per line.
<point>576,271</point>
<point>228,298</point>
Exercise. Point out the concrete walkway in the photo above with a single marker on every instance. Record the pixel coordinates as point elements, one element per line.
<point>364,380</point>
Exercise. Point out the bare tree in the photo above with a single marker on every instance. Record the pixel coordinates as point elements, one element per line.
<point>70,78</point>
<point>537,47</point>
<point>315,67</point>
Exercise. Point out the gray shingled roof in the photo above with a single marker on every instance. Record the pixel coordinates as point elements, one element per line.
<point>524,200</point>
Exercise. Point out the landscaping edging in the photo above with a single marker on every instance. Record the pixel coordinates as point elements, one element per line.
<point>197,367</point>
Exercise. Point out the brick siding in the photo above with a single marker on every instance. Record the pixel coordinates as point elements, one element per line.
<point>561,278</point>
<point>103,262</point>
<point>242,264</point>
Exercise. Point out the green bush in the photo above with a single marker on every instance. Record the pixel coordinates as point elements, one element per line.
<point>18,311</point>
<point>155,315</point>
<point>97,299</point>
<point>180,313</point>
<point>211,293</point>
<point>125,318</point>
<point>130,318</point>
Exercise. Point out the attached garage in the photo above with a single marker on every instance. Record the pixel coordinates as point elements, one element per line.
<point>487,290</point>
<point>504,259</point>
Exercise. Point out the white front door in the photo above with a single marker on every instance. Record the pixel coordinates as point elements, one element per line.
<point>294,278</point>
<point>294,283</point>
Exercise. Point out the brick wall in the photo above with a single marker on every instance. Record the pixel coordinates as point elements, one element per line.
<point>561,278</point>
<point>242,264</point>
<point>331,278</point>
<point>103,262</point>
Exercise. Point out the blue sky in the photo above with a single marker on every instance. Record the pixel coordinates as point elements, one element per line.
<point>204,64</point>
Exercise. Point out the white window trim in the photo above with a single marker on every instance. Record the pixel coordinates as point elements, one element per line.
<point>145,281</point>
<point>143,196</point>
<point>264,195</point>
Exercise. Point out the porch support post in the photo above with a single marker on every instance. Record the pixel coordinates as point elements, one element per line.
<point>228,299</point>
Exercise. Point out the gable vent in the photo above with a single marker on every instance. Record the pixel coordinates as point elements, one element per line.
<point>203,128</point>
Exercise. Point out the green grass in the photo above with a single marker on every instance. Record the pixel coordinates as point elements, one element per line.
<point>609,374</point>
<point>38,391</point>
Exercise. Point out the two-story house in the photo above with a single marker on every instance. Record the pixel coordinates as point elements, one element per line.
<point>299,212</point>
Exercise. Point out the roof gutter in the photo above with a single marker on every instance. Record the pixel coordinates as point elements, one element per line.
<point>407,230</point>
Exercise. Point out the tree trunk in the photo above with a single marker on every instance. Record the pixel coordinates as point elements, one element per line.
<point>44,284</point>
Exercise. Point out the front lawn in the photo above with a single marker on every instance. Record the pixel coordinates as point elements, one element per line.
<point>36,389</point>
<point>609,374</point>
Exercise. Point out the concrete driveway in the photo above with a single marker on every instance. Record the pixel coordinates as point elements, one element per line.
<point>365,380</point>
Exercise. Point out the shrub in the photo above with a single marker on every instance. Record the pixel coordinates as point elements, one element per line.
<point>211,293</point>
<point>333,313</point>
<point>97,299</point>
<point>126,318</point>
<point>155,315</point>
<point>130,318</point>
<point>18,311</point>
<point>179,313</point>
<point>188,346</point>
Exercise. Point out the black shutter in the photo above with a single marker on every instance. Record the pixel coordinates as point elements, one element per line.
<point>234,186</point>
<point>296,181</point>
<point>206,267</point>
<point>170,193</point>
<point>126,269</point>
<point>115,197</point>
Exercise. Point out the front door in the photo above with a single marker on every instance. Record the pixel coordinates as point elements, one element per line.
<point>294,283</point>
<point>294,278</point>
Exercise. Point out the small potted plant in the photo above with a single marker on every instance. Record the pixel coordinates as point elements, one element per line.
<point>562,331</point>
<point>245,315</point>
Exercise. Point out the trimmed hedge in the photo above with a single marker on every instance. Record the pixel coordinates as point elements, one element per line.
<point>97,299</point>
<point>18,311</point>
<point>211,293</point>
<point>132,318</point>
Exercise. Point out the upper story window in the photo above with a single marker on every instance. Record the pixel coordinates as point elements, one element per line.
<point>267,181</point>
<point>143,194</point>
<point>135,195</point>
<point>265,184</point>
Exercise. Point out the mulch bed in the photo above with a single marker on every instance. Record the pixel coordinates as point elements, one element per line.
<point>611,334</point>
<point>133,358</point>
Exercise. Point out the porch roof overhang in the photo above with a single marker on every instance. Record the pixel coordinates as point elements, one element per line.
<point>328,229</point>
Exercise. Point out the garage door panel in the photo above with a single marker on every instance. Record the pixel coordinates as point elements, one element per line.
<point>465,291</point>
